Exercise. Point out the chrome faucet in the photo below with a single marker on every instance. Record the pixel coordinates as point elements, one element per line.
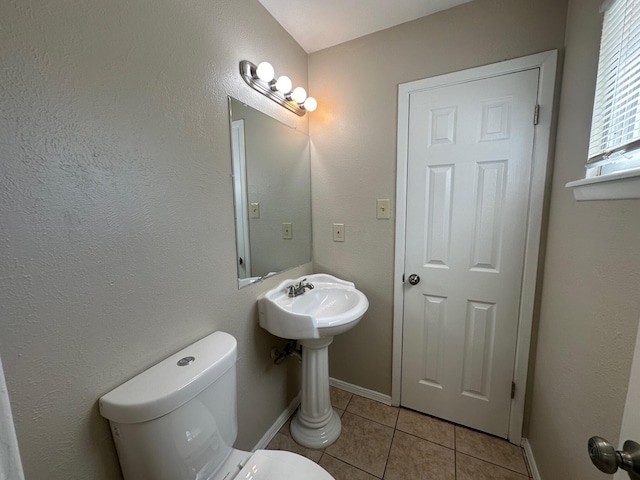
<point>294,290</point>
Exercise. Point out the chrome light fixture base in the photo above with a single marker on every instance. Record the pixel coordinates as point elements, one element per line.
<point>247,70</point>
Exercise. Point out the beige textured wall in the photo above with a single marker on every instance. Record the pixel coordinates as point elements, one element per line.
<point>591,286</point>
<point>116,217</point>
<point>354,146</point>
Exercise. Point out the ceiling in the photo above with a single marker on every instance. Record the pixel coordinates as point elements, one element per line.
<point>318,24</point>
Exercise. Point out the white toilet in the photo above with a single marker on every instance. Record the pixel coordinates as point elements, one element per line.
<point>177,421</point>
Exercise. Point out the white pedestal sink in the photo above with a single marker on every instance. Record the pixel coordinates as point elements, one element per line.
<point>313,318</point>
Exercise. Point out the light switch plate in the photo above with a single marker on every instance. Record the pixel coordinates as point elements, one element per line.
<point>254,210</point>
<point>383,208</point>
<point>287,231</point>
<point>338,232</point>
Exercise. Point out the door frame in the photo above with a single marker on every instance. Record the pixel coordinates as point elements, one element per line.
<point>240,204</point>
<point>541,161</point>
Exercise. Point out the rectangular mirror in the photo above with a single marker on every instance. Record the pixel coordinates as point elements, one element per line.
<point>272,194</point>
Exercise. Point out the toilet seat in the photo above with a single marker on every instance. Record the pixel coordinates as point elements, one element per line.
<point>281,465</point>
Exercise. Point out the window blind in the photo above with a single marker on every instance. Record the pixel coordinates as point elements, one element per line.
<point>615,130</point>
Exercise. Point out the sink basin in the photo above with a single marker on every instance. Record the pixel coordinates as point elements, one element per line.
<point>332,307</point>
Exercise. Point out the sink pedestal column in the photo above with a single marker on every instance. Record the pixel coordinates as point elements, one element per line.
<point>316,425</point>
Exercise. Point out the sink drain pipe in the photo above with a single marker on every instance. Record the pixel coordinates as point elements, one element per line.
<point>290,349</point>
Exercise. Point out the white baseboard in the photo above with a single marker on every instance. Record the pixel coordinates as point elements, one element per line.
<point>363,392</point>
<point>277,425</point>
<point>532,462</point>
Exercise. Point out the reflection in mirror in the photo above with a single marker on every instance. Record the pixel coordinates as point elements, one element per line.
<point>272,194</point>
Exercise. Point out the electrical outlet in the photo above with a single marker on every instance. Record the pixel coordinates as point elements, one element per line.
<point>383,208</point>
<point>287,231</point>
<point>254,210</point>
<point>338,232</point>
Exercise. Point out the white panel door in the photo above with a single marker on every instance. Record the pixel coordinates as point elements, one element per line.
<point>470,151</point>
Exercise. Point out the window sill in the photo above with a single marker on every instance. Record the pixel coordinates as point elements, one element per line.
<point>615,186</point>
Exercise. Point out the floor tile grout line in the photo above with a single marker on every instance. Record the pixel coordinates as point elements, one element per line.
<point>495,464</point>
<point>371,419</point>
<point>375,401</point>
<point>386,462</point>
<point>455,454</point>
<point>426,439</point>
<point>351,465</point>
<point>348,402</point>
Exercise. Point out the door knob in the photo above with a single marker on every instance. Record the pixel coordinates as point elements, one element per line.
<point>605,457</point>
<point>414,279</point>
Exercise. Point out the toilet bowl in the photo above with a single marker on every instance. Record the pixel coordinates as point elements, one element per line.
<point>177,421</point>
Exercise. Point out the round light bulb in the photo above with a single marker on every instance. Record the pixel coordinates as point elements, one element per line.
<point>310,104</point>
<point>299,94</point>
<point>283,84</point>
<point>265,72</point>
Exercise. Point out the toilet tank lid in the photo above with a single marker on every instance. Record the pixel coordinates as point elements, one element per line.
<point>166,386</point>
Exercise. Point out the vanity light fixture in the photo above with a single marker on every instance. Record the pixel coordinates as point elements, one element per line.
<point>262,77</point>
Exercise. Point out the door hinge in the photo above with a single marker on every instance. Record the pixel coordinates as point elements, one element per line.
<point>513,390</point>
<point>536,114</point>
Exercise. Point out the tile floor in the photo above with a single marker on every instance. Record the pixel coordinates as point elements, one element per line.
<point>382,442</point>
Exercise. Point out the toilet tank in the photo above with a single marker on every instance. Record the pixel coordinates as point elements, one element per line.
<point>177,420</point>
